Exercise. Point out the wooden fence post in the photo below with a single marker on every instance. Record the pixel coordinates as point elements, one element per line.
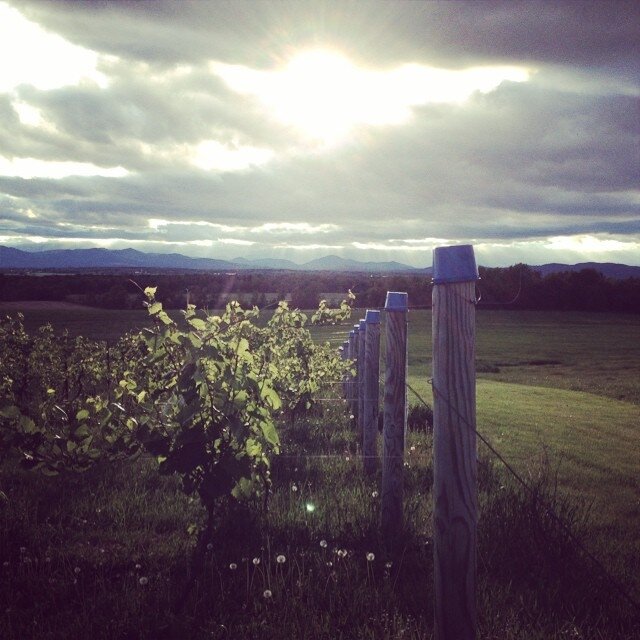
<point>362,334</point>
<point>454,443</point>
<point>344,354</point>
<point>353,394</point>
<point>395,415</point>
<point>371,391</point>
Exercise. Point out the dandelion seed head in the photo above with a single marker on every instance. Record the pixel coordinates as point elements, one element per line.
<point>144,581</point>
<point>294,488</point>
<point>76,570</point>
<point>138,567</point>
<point>256,561</point>
<point>267,594</point>
<point>374,494</point>
<point>233,566</point>
<point>281,559</point>
<point>323,544</point>
<point>388,565</point>
<point>310,507</point>
<point>210,546</point>
<point>370,557</point>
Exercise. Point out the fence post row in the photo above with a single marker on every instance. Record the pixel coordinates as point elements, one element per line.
<point>395,415</point>
<point>371,390</point>
<point>454,444</point>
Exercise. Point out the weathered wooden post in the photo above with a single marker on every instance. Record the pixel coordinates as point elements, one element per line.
<point>344,354</point>
<point>395,415</point>
<point>454,443</point>
<point>371,391</point>
<point>362,335</point>
<point>354,379</point>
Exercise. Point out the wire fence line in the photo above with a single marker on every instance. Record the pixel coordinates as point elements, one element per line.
<point>548,509</point>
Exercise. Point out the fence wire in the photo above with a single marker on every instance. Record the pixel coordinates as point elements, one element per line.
<point>519,479</point>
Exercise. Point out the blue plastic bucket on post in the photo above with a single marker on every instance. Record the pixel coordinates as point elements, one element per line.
<point>454,264</point>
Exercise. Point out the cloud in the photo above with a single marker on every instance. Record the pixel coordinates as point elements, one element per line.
<point>149,139</point>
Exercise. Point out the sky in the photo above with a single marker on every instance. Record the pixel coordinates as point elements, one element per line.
<point>370,130</point>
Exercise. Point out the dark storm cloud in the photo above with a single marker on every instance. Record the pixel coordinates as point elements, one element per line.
<point>592,34</point>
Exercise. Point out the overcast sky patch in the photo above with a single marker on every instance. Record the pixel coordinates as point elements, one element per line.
<point>372,130</point>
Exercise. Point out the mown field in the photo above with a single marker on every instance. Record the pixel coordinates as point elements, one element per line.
<point>104,554</point>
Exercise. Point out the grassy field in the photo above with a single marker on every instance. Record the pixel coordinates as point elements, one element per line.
<point>104,554</point>
<point>593,352</point>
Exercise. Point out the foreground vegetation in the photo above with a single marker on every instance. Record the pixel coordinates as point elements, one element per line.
<point>105,553</point>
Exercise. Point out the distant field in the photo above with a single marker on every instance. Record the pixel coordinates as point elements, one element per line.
<point>593,352</point>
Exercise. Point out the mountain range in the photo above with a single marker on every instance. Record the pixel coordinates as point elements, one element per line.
<point>64,259</point>
<point>87,259</point>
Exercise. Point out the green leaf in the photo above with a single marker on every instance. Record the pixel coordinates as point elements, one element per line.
<point>28,425</point>
<point>81,432</point>
<point>270,433</point>
<point>82,415</point>
<point>198,323</point>
<point>155,308</point>
<point>195,340</point>
<point>243,489</point>
<point>271,398</point>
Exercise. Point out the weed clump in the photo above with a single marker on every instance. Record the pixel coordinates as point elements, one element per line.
<point>420,418</point>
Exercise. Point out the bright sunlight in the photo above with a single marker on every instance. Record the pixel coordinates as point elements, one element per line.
<point>324,96</point>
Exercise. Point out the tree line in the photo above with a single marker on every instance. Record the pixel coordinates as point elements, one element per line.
<point>516,287</point>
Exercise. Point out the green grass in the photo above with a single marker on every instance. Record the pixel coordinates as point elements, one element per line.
<point>594,352</point>
<point>558,395</point>
<point>75,548</point>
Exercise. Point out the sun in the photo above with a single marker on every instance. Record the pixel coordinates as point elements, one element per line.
<point>319,92</point>
<point>324,96</point>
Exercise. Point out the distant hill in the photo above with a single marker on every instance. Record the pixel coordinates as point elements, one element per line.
<point>11,258</point>
<point>87,259</point>
<point>336,263</point>
<point>64,259</point>
<point>266,263</point>
<point>607,269</point>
